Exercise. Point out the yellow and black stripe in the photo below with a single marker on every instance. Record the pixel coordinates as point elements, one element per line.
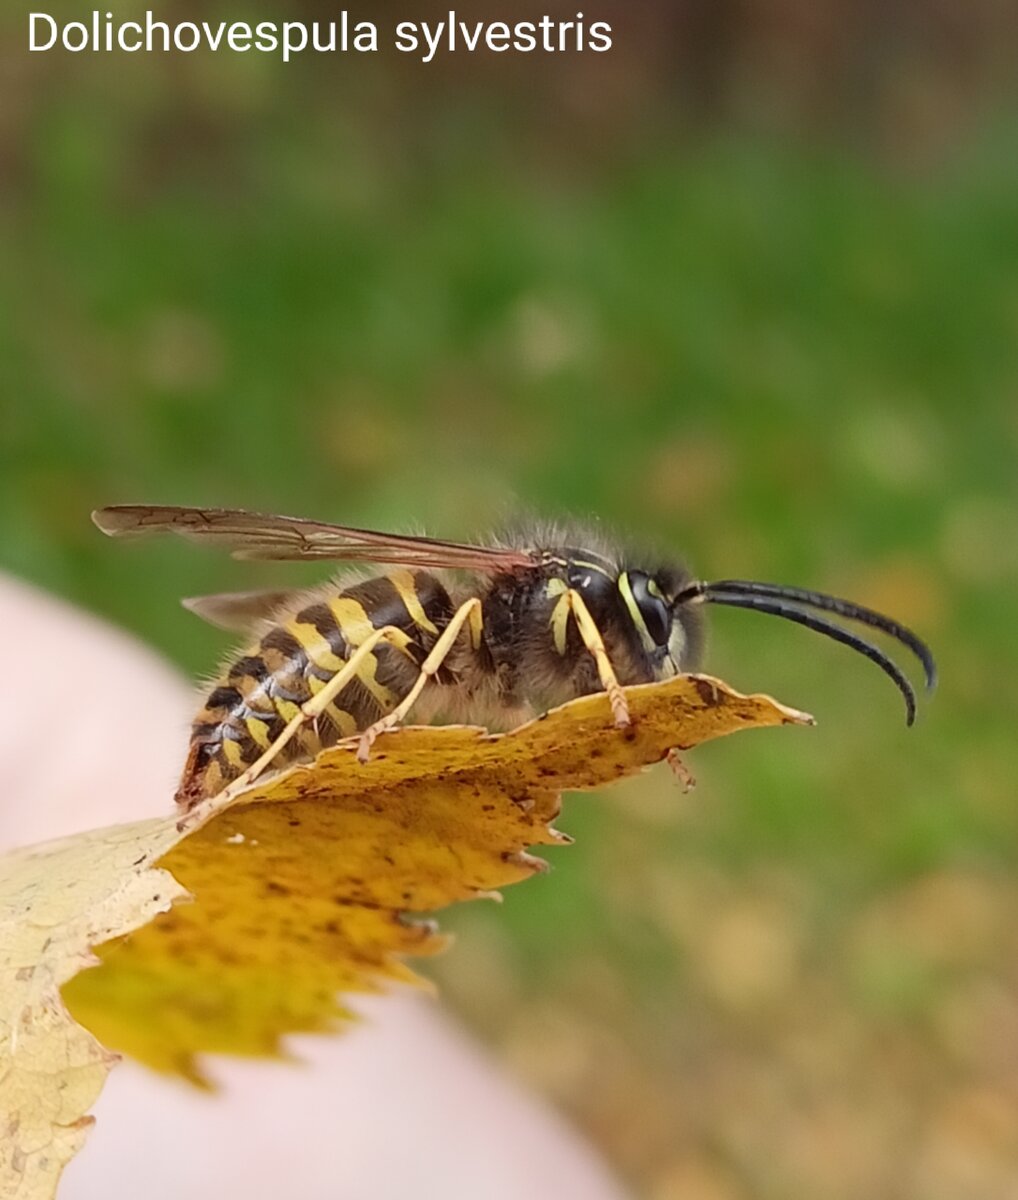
<point>264,688</point>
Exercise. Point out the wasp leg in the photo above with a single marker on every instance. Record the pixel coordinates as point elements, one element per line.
<point>310,711</point>
<point>470,612</point>
<point>595,644</point>
<point>682,773</point>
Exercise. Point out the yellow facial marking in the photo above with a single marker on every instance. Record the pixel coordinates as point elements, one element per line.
<point>634,612</point>
<point>677,643</point>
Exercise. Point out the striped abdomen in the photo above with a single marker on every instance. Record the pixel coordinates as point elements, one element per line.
<point>263,689</point>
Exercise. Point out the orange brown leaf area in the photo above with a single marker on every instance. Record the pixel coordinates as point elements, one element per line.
<point>308,885</point>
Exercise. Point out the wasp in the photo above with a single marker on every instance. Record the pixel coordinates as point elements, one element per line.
<point>494,634</point>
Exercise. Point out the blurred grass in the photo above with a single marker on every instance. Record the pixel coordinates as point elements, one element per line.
<point>783,362</point>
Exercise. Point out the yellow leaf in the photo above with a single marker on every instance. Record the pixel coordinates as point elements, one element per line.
<point>57,901</point>
<point>303,889</point>
<point>302,885</point>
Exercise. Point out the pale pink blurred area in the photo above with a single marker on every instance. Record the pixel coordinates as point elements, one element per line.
<point>93,731</point>
<point>404,1103</point>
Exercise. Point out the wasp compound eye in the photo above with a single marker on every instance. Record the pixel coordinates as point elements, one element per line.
<point>647,606</point>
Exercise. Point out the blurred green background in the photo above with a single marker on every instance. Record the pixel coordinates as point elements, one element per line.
<point>748,285</point>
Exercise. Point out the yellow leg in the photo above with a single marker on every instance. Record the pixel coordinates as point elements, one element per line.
<point>310,710</point>
<point>470,612</point>
<point>595,644</point>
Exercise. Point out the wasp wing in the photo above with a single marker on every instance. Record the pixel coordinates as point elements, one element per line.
<point>240,612</point>
<point>261,536</point>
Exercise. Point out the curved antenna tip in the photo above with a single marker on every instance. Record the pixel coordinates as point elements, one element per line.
<point>740,597</point>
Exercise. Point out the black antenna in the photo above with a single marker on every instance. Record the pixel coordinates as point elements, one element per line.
<point>771,598</point>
